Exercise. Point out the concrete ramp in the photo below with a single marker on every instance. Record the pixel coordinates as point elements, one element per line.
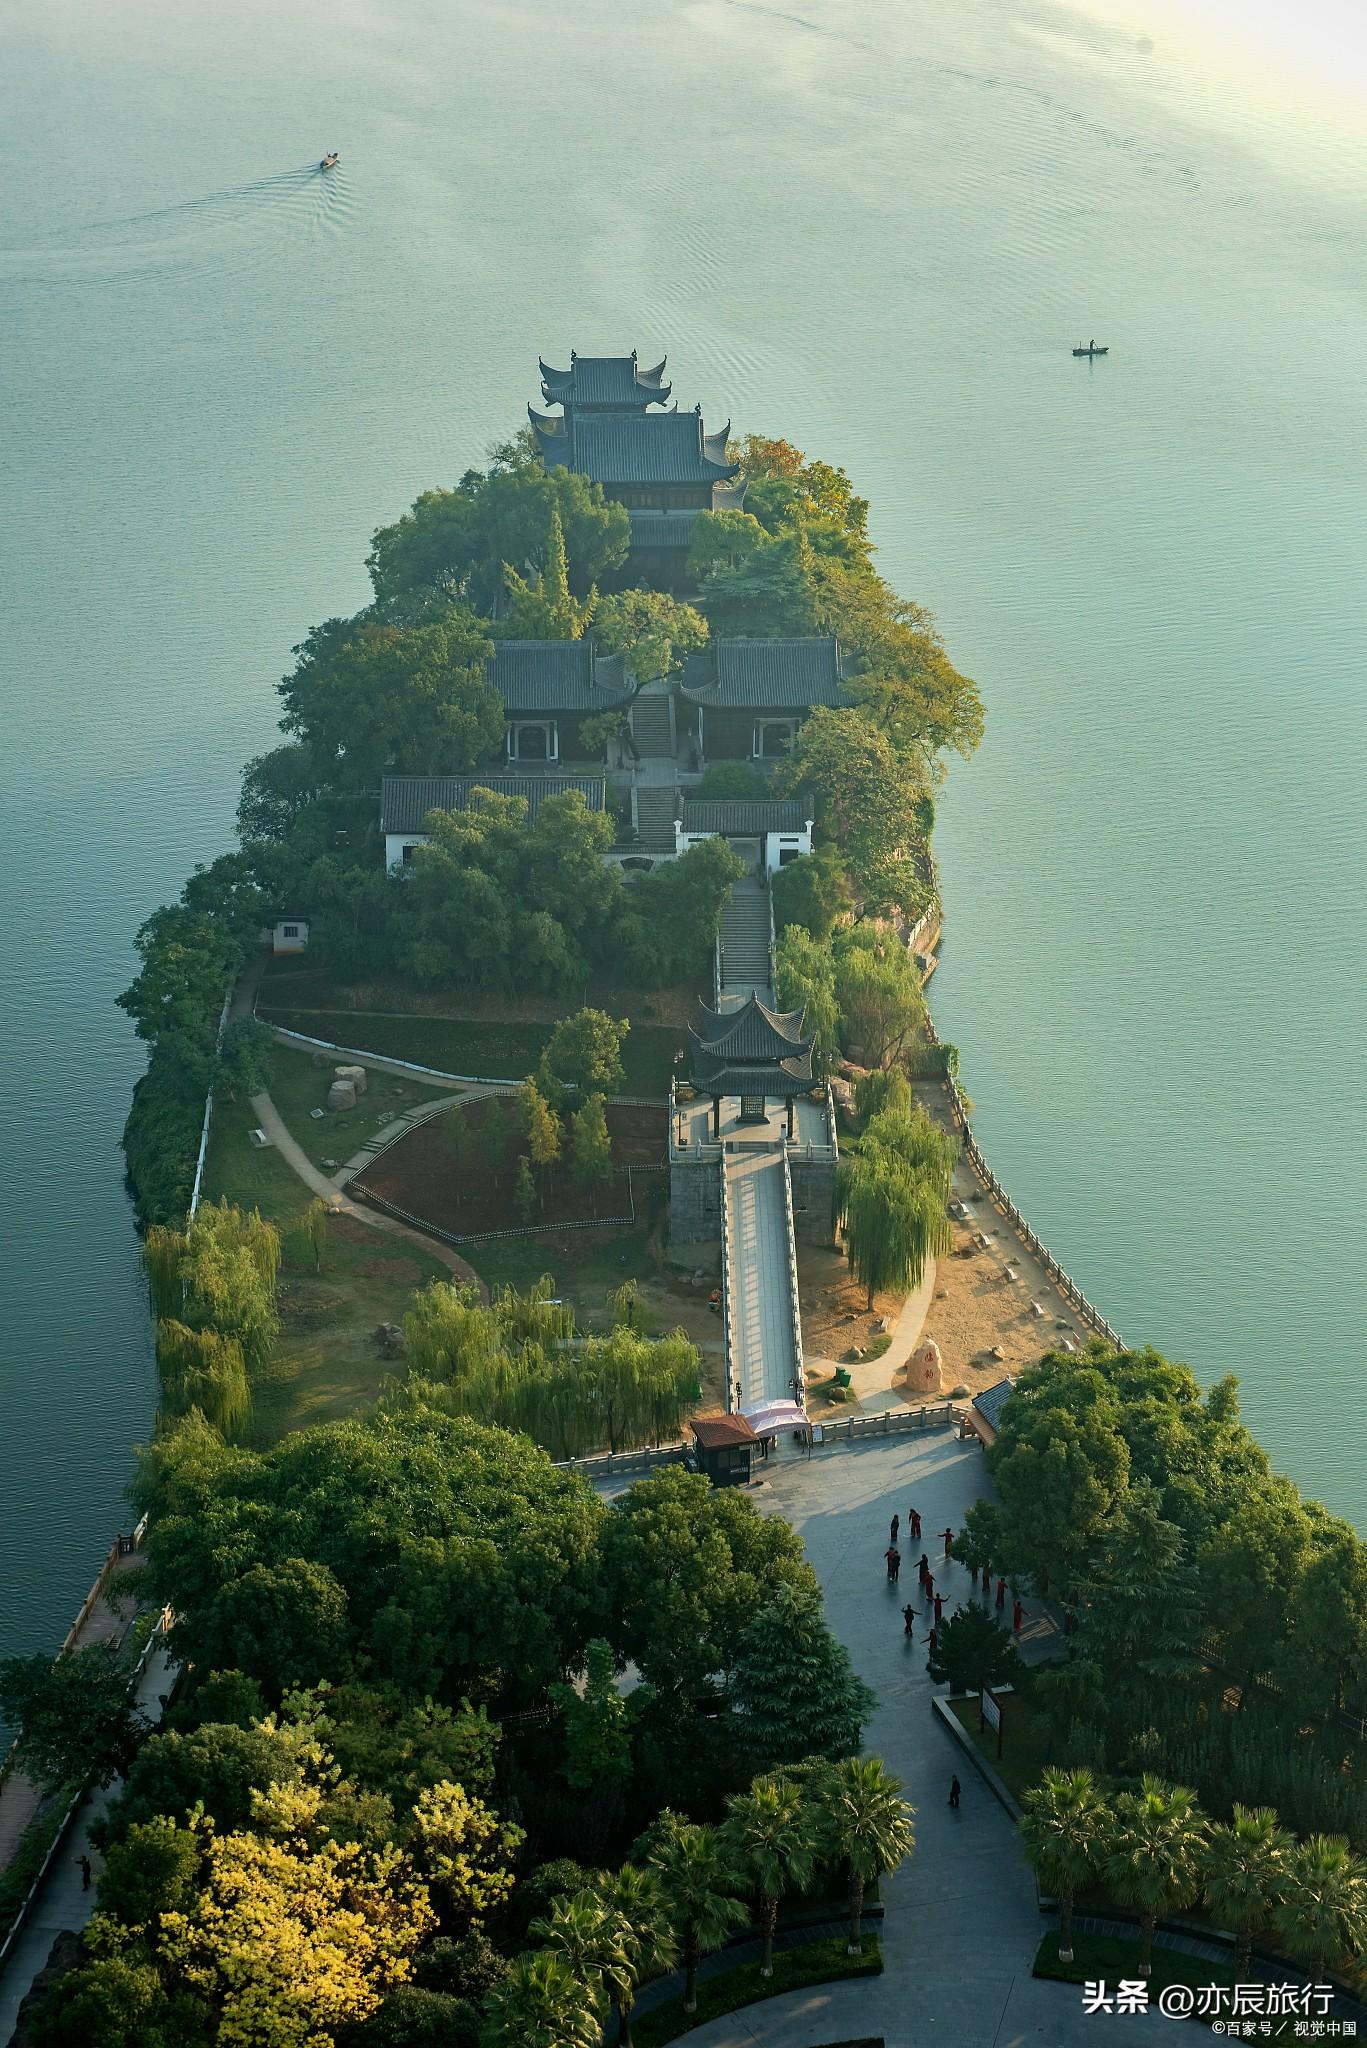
<point>765,1339</point>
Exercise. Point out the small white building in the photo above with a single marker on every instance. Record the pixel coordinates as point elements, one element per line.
<point>288,935</point>
<point>779,825</point>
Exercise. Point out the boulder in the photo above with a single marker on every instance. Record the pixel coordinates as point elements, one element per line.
<point>959,1393</point>
<point>356,1076</point>
<point>923,1368</point>
<point>342,1095</point>
<point>322,1059</point>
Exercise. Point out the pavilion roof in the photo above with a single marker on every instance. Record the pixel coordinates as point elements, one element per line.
<point>635,447</point>
<point>752,1032</point>
<point>604,383</point>
<point>790,674</point>
<point>778,1078</point>
<point>556,675</point>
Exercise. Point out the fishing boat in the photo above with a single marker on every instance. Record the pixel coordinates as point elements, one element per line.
<point>1092,350</point>
<point>329,161</point>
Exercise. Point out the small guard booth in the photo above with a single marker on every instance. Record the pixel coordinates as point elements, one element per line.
<point>724,1446</point>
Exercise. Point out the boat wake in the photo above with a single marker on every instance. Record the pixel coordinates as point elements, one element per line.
<point>220,232</point>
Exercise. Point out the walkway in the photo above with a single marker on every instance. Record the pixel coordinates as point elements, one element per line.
<point>766,1362</point>
<point>962,1922</point>
<point>107,1622</point>
<point>745,932</point>
<point>61,1903</point>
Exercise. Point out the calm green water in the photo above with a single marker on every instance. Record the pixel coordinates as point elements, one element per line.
<point>877,229</point>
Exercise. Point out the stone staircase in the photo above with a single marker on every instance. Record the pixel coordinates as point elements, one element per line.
<point>655,819</point>
<point>650,724</point>
<point>745,941</point>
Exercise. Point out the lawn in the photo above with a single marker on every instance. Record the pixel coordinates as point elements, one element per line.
<point>1024,1746</point>
<point>327,1363</point>
<point>481,1046</point>
<point>297,1088</point>
<point>816,1962</point>
<point>584,1264</point>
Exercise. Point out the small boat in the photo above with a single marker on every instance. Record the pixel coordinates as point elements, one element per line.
<point>1092,350</point>
<point>327,163</point>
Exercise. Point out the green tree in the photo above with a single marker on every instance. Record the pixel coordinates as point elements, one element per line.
<point>596,1722</point>
<point>590,1145</point>
<point>1245,1875</point>
<point>283,1622</point>
<point>971,1651</point>
<point>894,1222</point>
<point>583,1057</point>
<point>524,1191</point>
<point>451,547</point>
<point>644,1940</point>
<point>73,1713</point>
<point>672,915</point>
<point>682,1568</point>
<point>316,1230</point>
<point>699,1881</point>
<point>1153,1859</point>
<point>793,1686</point>
<point>865,1824</point>
<point>813,892</point>
<point>543,608</point>
<point>540,1126</point>
<point>1321,1916</point>
<point>278,788</point>
<point>878,991</point>
<point>772,1832</point>
<point>217,1767</point>
<point>541,2003</point>
<point>651,629</point>
<point>753,583</point>
<point>1066,1830</point>
<point>204,1370</point>
<point>871,803</point>
<point>727,781</point>
<point>804,979</point>
<point>154,1868</point>
<point>244,1057</point>
<point>368,700</point>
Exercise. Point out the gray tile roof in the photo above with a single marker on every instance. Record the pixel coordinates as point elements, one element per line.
<point>556,675</point>
<point>636,448</point>
<point>405,800</point>
<point>765,674</point>
<point>785,1078</point>
<point>612,383</point>
<point>745,817</point>
<point>662,529</point>
<point>753,1032</point>
<point>991,1401</point>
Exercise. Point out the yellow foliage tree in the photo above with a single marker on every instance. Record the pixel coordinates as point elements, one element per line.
<point>465,1849</point>
<point>294,1936</point>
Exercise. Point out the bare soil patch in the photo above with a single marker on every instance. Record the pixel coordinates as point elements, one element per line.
<point>447,1173</point>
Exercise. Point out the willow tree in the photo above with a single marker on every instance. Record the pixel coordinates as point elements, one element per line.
<point>894,1222</point>
<point>205,1370</point>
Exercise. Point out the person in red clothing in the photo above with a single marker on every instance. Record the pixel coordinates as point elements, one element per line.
<point>948,1535</point>
<point>1001,1592</point>
<point>1017,1616</point>
<point>939,1608</point>
<point>894,1558</point>
<point>932,1639</point>
<point>929,1583</point>
<point>923,1568</point>
<point>913,1525</point>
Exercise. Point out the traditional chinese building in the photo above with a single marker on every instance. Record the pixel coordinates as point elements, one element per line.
<point>549,688</point>
<point>604,384</point>
<point>751,696</point>
<point>665,467</point>
<point>754,1053</point>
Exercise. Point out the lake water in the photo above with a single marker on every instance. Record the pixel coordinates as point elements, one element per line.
<point>874,229</point>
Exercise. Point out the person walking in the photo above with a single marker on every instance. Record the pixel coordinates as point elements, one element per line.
<point>894,1558</point>
<point>1017,1616</point>
<point>932,1639</point>
<point>913,1525</point>
<point>948,1535</point>
<point>896,1525</point>
<point>939,1608</point>
<point>1001,1593</point>
<point>923,1568</point>
<point>954,1792</point>
<point>908,1620</point>
<point>928,1585</point>
<point>83,1865</point>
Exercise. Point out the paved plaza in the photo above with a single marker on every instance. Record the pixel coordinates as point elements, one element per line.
<point>962,1921</point>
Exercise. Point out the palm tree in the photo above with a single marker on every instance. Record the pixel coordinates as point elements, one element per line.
<point>865,1822</point>
<point>771,1832</point>
<point>542,2004</point>
<point>644,1940</point>
<point>579,1932</point>
<point>698,1880</point>
<point>1245,1874</point>
<point>1322,1916</point>
<point>1153,1860</point>
<point>1064,1828</point>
